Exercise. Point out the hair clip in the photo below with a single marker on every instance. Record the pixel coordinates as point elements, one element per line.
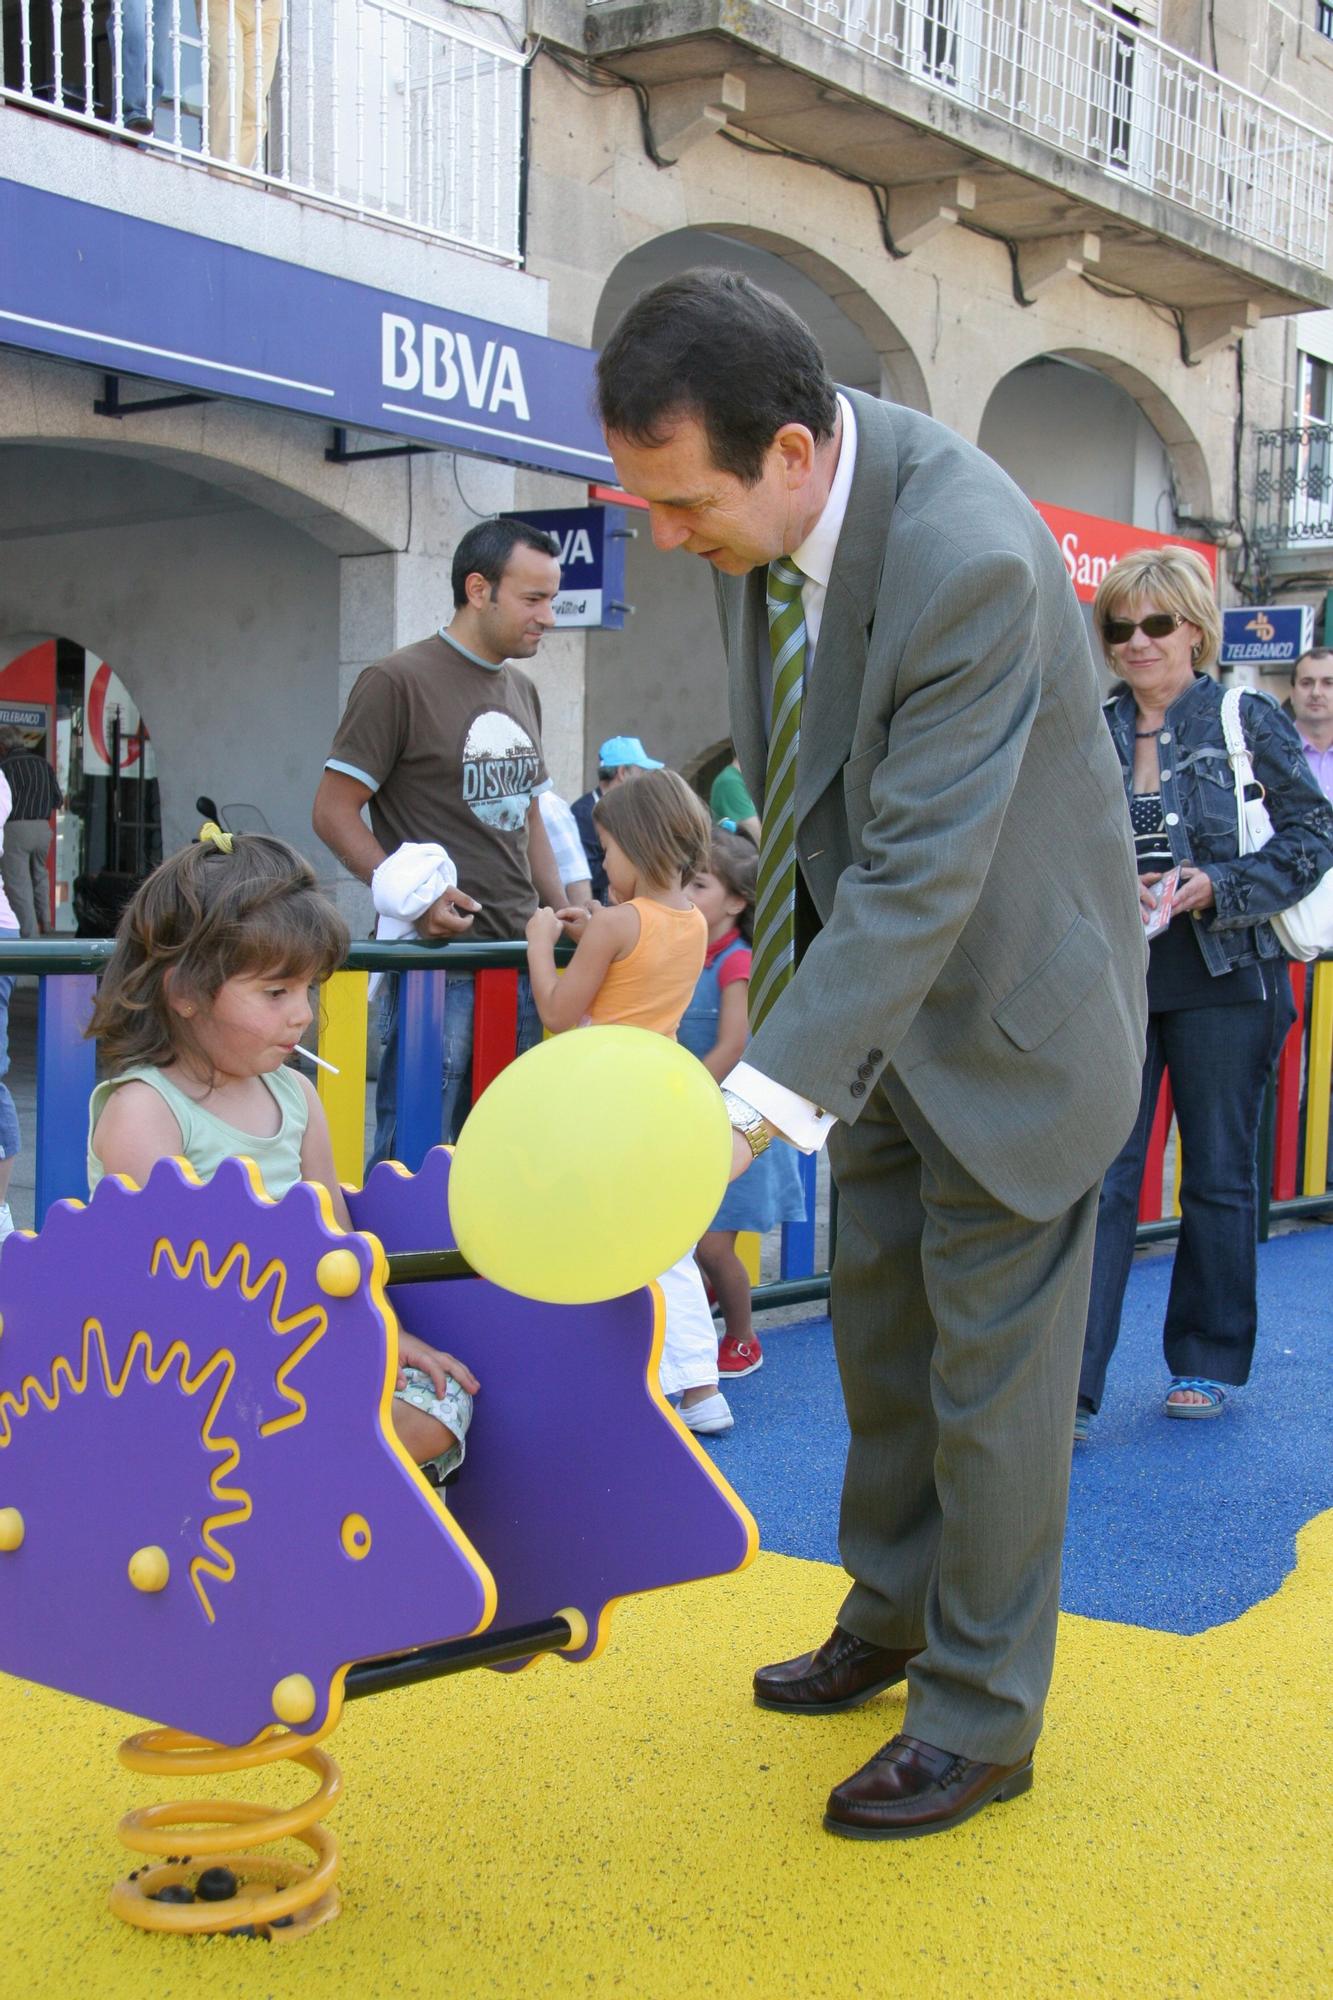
<point>211,831</point>
<point>727,825</point>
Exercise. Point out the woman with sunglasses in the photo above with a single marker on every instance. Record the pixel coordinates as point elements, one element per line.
<point>1219,998</point>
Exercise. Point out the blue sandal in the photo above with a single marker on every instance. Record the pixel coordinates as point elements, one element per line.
<point>1213,1393</point>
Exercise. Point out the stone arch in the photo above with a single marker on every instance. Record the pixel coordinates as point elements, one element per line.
<point>1194,485</point>
<point>213,589</point>
<point>265,458</point>
<point>1191,478</point>
<point>865,347</point>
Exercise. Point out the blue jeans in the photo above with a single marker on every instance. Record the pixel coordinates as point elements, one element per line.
<point>1218,1059</point>
<point>459,1001</point>
<point>140,90</point>
<point>9,1119</point>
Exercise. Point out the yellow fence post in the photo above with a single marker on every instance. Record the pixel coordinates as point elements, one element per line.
<point>342,1040</point>
<point>1319,1041</point>
<point>747,1249</point>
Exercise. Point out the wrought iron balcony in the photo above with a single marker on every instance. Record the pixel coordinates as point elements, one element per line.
<point>371,106</point>
<point>1293,489</point>
<point>1068,73</point>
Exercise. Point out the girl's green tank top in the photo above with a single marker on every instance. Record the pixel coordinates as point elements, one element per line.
<point>206,1140</point>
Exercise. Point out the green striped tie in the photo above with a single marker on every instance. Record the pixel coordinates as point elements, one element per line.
<point>775,898</point>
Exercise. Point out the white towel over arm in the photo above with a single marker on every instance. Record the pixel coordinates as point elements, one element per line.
<point>405,885</point>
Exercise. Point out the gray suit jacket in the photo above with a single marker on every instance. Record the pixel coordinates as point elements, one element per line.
<point>961,827</point>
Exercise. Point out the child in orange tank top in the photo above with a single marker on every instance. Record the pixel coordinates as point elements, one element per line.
<point>636,965</point>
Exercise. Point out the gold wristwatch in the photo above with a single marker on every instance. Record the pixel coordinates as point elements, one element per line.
<point>752,1127</point>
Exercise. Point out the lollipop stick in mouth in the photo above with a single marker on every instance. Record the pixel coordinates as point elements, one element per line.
<point>321,1061</point>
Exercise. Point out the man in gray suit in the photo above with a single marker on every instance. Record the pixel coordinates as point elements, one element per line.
<point>948,982</point>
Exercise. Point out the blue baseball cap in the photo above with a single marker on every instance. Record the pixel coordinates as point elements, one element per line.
<point>618,750</point>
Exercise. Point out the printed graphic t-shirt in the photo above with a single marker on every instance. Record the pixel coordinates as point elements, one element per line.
<point>452,751</point>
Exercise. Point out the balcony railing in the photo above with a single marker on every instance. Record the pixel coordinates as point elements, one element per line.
<point>370,106</point>
<point>1293,487</point>
<point>1079,78</point>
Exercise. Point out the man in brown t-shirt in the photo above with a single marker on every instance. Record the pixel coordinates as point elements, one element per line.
<point>442,741</point>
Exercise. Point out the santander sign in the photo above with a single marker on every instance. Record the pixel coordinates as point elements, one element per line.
<point>1090,545</point>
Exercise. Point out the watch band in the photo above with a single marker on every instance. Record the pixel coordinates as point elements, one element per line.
<point>751,1124</point>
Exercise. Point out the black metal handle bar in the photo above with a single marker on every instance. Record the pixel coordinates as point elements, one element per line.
<point>419,1267</point>
<point>456,1656</point>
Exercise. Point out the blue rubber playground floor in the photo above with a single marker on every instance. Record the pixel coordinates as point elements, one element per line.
<point>1173,1525</point>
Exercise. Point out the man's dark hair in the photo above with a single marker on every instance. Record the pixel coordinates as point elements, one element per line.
<point>485,551</point>
<point>711,345</point>
<point>1315,653</point>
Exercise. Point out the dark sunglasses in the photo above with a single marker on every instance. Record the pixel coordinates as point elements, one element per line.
<point>1157,625</point>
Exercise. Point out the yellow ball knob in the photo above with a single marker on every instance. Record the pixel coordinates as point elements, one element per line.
<point>338,1273</point>
<point>12,1530</point>
<point>355,1537</point>
<point>294,1699</point>
<point>149,1569</point>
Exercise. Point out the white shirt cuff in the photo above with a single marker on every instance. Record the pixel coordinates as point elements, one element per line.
<point>795,1118</point>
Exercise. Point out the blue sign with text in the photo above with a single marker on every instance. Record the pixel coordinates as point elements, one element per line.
<point>1267,636</point>
<point>592,542</point>
<point>136,298</point>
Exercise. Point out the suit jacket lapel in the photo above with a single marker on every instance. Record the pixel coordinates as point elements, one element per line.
<point>833,694</point>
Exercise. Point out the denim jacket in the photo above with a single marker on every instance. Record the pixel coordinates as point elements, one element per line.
<point>1199,806</point>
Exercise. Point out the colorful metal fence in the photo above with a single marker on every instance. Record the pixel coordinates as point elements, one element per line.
<point>1294,1142</point>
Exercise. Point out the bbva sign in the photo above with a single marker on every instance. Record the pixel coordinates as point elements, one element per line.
<point>440,362</point>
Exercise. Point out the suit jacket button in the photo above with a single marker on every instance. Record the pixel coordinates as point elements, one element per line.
<point>875,1055</point>
<point>866,1070</point>
<point>857,1089</point>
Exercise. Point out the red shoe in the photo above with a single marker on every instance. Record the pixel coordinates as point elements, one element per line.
<point>738,1357</point>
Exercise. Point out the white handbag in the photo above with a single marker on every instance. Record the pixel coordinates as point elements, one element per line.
<point>1306,929</point>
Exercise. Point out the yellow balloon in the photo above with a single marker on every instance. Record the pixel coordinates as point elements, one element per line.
<point>589,1166</point>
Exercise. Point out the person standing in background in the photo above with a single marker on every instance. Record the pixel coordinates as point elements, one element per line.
<point>1312,711</point>
<point>571,861</point>
<point>243,38</point>
<point>620,757</point>
<point>34,790</point>
<point>441,742</point>
<point>729,799</point>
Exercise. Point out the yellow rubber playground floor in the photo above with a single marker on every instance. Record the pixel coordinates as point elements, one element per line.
<point>638,1828</point>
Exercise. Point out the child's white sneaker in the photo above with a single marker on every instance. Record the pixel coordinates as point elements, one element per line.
<point>709,1417</point>
<point>6,1221</point>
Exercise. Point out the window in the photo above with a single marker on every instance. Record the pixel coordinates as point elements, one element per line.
<point>1310,475</point>
<point>1323,17</point>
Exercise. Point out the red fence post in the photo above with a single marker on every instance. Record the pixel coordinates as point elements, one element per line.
<point>1150,1187</point>
<point>1287,1123</point>
<point>494,1026</point>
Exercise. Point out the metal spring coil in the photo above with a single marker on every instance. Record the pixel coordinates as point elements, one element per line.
<point>271,1892</point>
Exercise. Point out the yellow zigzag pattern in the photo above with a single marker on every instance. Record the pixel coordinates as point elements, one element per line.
<point>234,1502</point>
<point>275,1272</point>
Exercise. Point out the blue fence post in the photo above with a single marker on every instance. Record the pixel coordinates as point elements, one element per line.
<point>66,1073</point>
<point>420,1065</point>
<point>798,1238</point>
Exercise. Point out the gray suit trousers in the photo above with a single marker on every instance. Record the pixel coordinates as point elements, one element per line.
<point>959,1330</point>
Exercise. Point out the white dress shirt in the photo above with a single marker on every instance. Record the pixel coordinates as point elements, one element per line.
<point>806,1125</point>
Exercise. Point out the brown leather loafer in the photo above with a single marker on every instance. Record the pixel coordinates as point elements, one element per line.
<point>842,1673</point>
<point>910,1788</point>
